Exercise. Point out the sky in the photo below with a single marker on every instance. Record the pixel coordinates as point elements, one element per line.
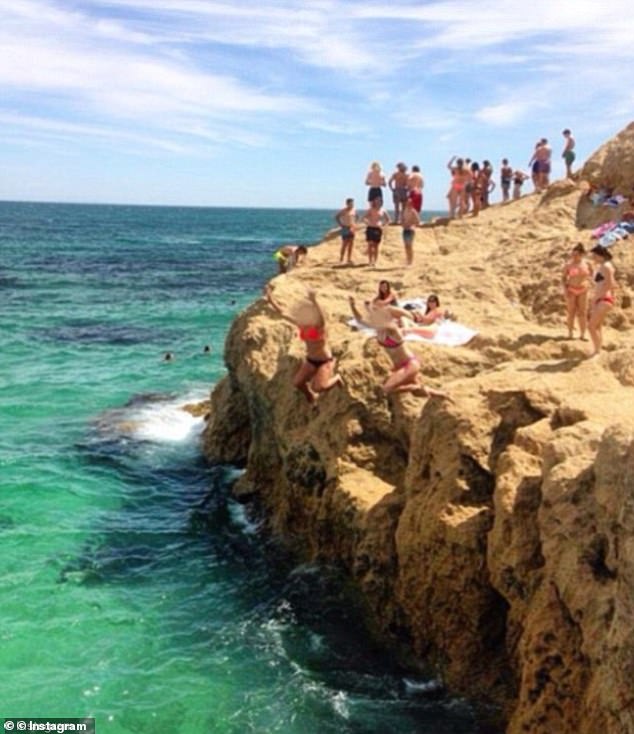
<point>285,103</point>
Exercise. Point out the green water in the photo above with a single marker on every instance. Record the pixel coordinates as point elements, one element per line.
<point>133,588</point>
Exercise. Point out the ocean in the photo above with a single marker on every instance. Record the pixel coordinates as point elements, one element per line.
<point>134,588</point>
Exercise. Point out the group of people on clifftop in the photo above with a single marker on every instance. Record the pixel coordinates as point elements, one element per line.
<point>589,285</point>
<point>469,192</point>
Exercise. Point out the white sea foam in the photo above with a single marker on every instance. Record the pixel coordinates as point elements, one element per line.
<point>165,421</point>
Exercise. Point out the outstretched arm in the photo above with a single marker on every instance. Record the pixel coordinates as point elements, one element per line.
<point>268,292</point>
<point>312,297</point>
<point>356,312</point>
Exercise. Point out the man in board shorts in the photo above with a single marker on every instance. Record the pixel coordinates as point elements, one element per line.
<point>375,218</point>
<point>569,152</point>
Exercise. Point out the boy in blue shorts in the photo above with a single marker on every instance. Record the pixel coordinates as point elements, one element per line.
<point>346,218</point>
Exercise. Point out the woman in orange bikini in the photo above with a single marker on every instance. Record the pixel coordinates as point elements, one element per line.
<point>316,372</point>
<point>576,281</point>
<point>460,178</point>
<point>405,364</point>
<point>602,297</point>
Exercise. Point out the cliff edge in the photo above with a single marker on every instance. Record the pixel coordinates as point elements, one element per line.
<point>493,535</point>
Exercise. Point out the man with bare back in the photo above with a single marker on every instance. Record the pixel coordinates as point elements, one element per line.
<point>346,218</point>
<point>398,187</point>
<point>543,154</point>
<point>415,185</point>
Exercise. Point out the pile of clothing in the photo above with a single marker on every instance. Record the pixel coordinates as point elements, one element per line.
<point>612,232</point>
<point>605,197</point>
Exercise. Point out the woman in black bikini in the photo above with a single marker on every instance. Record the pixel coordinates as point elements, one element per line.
<point>316,372</point>
<point>405,364</point>
<point>603,296</point>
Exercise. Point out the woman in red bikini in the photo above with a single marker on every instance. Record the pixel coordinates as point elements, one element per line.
<point>576,280</point>
<point>602,297</point>
<point>405,364</point>
<point>316,372</point>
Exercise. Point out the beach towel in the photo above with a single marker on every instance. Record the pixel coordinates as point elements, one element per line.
<point>603,229</point>
<point>448,334</point>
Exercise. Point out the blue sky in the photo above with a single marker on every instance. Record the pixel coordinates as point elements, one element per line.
<point>284,103</point>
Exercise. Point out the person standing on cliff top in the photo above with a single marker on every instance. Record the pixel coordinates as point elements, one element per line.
<point>541,165</point>
<point>375,180</point>
<point>569,152</point>
<point>375,218</point>
<point>346,218</point>
<point>603,297</point>
<point>398,187</point>
<point>415,185</point>
<point>409,220</point>
<point>506,176</point>
<point>315,374</point>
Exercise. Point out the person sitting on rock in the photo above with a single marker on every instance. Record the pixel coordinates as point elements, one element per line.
<point>385,296</point>
<point>406,367</point>
<point>431,315</point>
<point>315,375</point>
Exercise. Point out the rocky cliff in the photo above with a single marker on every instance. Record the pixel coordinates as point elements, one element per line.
<point>491,535</point>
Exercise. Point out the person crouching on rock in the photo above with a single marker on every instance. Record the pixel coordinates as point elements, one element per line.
<point>406,367</point>
<point>316,372</point>
<point>603,296</point>
<point>288,256</point>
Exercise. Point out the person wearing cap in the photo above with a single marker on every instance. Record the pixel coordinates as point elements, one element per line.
<point>398,186</point>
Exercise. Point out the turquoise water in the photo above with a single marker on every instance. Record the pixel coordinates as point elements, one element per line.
<point>134,589</point>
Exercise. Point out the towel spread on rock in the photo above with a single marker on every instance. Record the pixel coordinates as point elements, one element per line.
<point>447,333</point>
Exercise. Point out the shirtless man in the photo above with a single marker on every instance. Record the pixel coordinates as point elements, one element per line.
<point>415,184</point>
<point>346,218</point>
<point>506,177</point>
<point>409,220</point>
<point>569,151</point>
<point>375,218</point>
<point>398,186</point>
<point>543,154</point>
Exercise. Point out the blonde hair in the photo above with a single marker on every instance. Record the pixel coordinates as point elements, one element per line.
<point>375,166</point>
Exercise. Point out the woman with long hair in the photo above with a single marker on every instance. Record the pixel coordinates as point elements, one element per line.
<point>603,295</point>
<point>385,296</point>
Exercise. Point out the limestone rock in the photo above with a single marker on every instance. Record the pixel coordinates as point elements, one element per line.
<point>491,536</point>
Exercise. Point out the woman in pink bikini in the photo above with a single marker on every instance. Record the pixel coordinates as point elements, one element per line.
<point>602,297</point>
<point>405,364</point>
<point>576,280</point>
<point>315,374</point>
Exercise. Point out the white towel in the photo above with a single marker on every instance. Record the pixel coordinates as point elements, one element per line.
<point>448,333</point>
